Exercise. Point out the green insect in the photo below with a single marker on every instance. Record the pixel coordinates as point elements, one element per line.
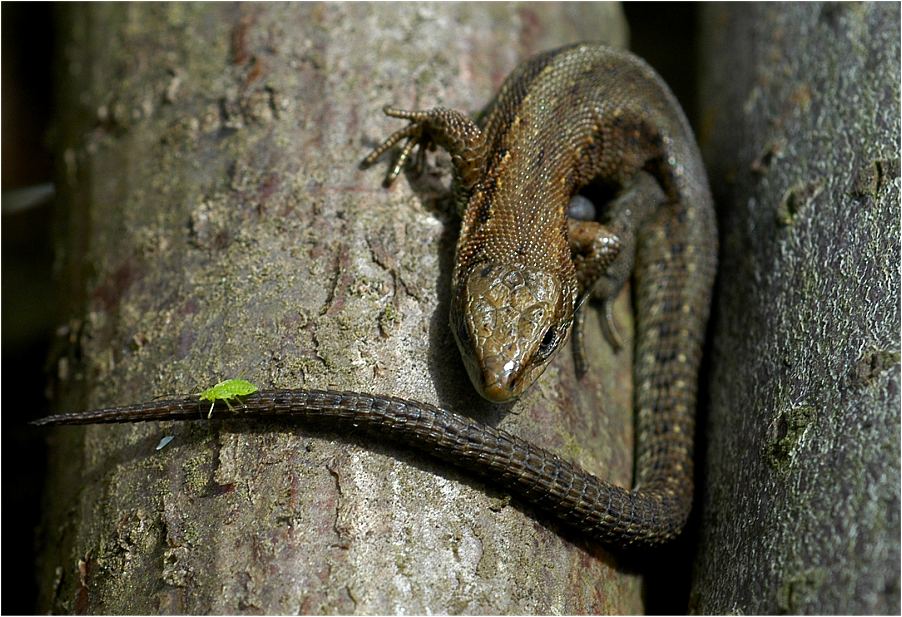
<point>230,389</point>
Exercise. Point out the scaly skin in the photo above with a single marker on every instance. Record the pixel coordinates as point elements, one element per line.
<point>567,118</point>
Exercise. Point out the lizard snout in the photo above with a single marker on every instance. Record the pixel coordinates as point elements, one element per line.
<point>499,381</point>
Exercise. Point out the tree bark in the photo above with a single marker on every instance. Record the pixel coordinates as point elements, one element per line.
<point>217,226</point>
<point>801,506</point>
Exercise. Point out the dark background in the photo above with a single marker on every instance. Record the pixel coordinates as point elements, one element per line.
<point>32,311</point>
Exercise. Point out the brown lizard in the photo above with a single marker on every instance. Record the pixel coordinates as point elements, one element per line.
<point>564,120</point>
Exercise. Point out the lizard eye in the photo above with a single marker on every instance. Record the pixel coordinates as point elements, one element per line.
<point>548,344</point>
<point>463,333</point>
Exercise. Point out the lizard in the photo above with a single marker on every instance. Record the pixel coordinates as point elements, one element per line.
<point>565,120</point>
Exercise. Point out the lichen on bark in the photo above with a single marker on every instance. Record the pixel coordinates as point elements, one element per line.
<point>801,501</point>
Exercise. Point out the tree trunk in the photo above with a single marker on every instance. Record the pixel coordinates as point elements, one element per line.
<point>217,226</point>
<point>801,508</point>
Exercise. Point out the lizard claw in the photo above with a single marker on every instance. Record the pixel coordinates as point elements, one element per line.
<point>609,330</point>
<point>412,135</point>
<point>609,327</point>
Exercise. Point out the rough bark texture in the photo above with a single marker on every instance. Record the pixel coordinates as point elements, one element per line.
<point>217,226</point>
<point>801,117</point>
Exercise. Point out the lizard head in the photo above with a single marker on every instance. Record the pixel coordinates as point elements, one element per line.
<point>509,320</point>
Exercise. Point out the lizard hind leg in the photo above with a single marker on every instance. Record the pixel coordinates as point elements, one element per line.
<point>594,248</point>
<point>604,253</point>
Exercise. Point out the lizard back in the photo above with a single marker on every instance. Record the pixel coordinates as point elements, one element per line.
<point>583,114</point>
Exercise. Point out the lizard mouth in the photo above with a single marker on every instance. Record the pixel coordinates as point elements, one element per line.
<point>500,383</point>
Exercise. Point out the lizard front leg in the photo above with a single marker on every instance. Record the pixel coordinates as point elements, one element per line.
<point>450,129</point>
